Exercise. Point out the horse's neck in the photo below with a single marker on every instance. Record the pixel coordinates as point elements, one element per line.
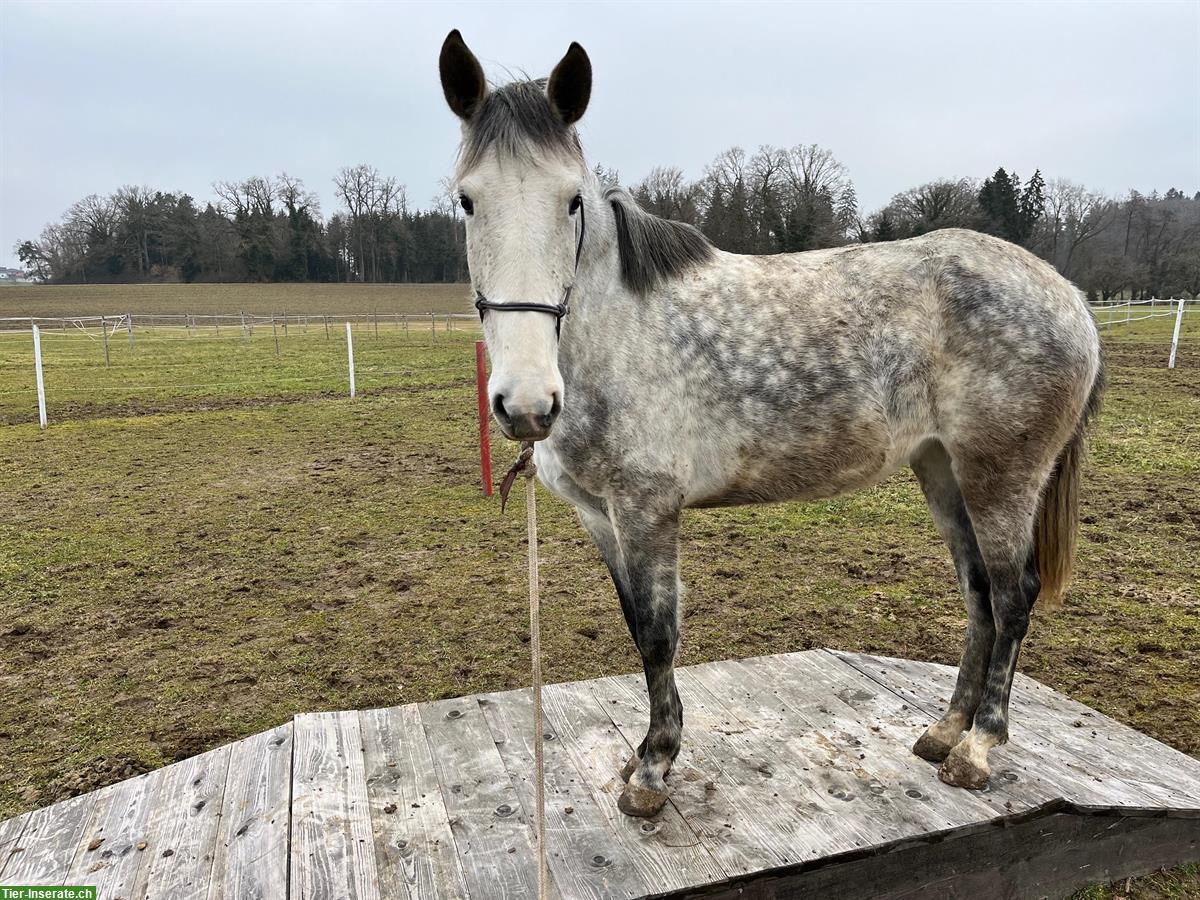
<point>601,318</point>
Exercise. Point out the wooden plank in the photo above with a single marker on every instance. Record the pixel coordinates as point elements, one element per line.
<point>333,850</point>
<point>899,794</point>
<point>1133,756</point>
<point>595,850</point>
<point>846,802</point>
<point>112,846</point>
<point>586,862</point>
<point>727,785</point>
<point>185,815</point>
<point>1021,775</point>
<point>415,852</point>
<point>665,848</point>
<point>48,843</point>
<point>1087,776</point>
<point>492,833</point>
<point>10,833</point>
<point>251,853</point>
<point>1046,857</point>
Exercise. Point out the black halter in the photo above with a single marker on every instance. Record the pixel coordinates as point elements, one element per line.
<point>558,310</point>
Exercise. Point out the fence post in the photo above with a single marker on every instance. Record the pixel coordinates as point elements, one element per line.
<point>104,334</point>
<point>129,326</point>
<point>350,356</point>
<point>485,449</point>
<point>406,324</point>
<point>326,319</point>
<point>1175,337</point>
<point>37,366</point>
<point>285,323</point>
<point>376,317</point>
<point>275,333</point>
<point>242,312</point>
<point>432,324</point>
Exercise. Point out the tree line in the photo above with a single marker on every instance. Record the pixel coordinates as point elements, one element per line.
<point>774,200</point>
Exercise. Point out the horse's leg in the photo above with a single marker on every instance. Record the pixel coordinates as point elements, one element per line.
<point>1002,502</point>
<point>649,543</point>
<point>597,524</point>
<point>932,468</point>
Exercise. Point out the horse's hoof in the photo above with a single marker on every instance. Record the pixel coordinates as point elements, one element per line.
<point>931,748</point>
<point>961,771</point>
<point>630,767</point>
<point>640,801</point>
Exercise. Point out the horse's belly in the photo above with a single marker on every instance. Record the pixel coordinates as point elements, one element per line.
<point>807,470</point>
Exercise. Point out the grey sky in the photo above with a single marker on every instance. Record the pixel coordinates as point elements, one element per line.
<point>175,96</point>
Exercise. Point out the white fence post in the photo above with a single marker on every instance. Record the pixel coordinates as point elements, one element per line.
<point>350,356</point>
<point>129,327</point>
<point>41,385</point>
<point>1175,338</point>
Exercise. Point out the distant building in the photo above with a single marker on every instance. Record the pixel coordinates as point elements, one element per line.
<point>9,276</point>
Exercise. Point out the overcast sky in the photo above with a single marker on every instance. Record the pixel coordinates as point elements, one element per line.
<point>176,96</point>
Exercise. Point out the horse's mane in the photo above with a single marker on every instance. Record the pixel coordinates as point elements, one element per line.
<point>653,249</point>
<point>515,119</point>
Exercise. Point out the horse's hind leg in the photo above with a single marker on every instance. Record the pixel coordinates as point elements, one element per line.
<point>649,544</point>
<point>1003,503</point>
<point>933,471</point>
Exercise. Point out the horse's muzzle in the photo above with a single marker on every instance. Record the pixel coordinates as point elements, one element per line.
<point>525,426</point>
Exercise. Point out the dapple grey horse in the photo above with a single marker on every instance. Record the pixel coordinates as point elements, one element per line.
<point>657,373</point>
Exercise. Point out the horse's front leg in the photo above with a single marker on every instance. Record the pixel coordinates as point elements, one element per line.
<point>648,539</point>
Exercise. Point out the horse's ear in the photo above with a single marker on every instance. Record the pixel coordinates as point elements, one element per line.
<point>462,76</point>
<point>570,85</point>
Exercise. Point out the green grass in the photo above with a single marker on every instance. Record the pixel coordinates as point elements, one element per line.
<point>182,566</point>
<point>229,299</point>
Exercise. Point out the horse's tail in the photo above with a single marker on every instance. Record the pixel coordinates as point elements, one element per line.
<point>1058,517</point>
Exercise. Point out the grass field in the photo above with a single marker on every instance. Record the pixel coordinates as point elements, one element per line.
<point>229,299</point>
<point>210,538</point>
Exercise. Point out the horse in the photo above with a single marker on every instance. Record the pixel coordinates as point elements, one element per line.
<point>657,373</point>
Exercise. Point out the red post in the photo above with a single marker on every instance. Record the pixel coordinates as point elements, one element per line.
<point>485,449</point>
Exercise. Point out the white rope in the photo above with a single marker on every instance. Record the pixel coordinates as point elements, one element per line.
<point>535,652</point>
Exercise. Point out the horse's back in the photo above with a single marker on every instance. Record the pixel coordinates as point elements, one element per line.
<point>954,335</point>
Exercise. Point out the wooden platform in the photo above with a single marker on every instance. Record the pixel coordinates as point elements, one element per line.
<point>795,780</point>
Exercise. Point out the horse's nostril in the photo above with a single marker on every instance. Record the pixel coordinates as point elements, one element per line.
<point>498,408</point>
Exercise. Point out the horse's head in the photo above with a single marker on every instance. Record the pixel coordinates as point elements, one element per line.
<point>520,177</point>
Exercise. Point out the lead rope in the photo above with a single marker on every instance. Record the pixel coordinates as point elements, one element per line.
<point>535,652</point>
<point>524,466</point>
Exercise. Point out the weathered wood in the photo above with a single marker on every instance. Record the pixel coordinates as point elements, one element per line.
<point>48,842</point>
<point>333,849</point>
<point>1050,856</point>
<point>10,833</point>
<point>181,835</point>
<point>493,837</point>
<point>584,859</point>
<point>1023,778</point>
<point>665,849</point>
<point>722,784</point>
<point>796,778</point>
<point>414,847</point>
<point>594,850</point>
<point>113,844</point>
<point>1092,776</point>
<point>845,800</point>
<point>881,781</point>
<point>251,854</point>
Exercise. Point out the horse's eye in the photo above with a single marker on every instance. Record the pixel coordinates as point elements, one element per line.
<point>576,202</point>
<point>467,205</point>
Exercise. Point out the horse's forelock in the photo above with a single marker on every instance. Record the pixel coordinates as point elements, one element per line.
<point>518,121</point>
